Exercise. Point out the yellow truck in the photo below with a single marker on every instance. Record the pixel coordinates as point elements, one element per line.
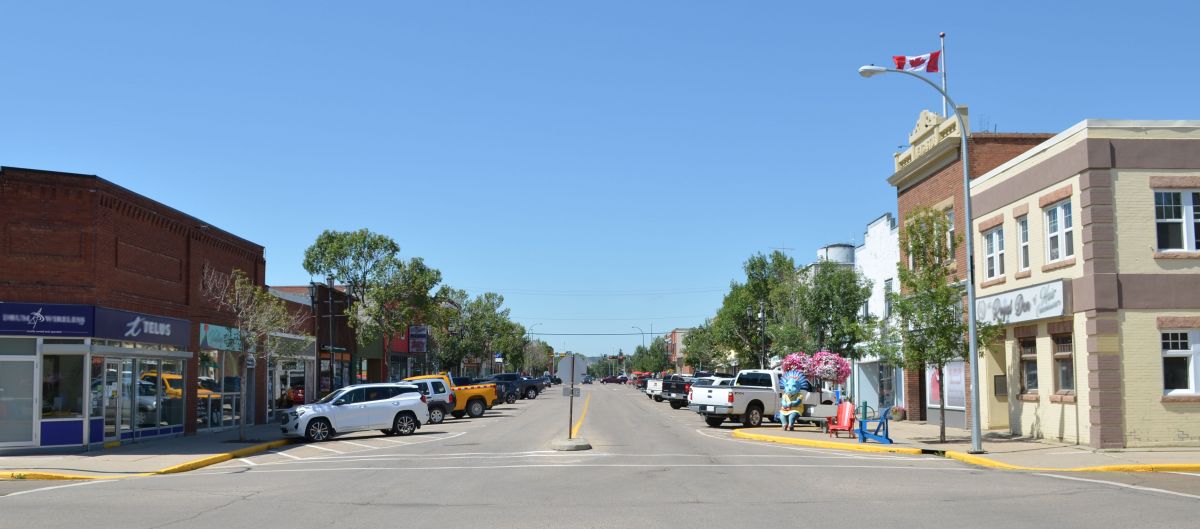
<point>469,399</point>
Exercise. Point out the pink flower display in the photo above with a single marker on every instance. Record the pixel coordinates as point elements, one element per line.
<point>829,366</point>
<point>797,362</point>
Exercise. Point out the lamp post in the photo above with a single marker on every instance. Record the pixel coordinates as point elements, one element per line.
<point>972,331</point>
<point>643,333</point>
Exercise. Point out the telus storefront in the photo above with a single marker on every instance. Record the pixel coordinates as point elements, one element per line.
<point>107,376</point>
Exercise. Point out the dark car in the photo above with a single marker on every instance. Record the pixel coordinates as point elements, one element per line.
<point>611,379</point>
<point>522,387</point>
<point>556,380</point>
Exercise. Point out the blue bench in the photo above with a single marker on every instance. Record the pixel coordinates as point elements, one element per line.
<point>879,433</point>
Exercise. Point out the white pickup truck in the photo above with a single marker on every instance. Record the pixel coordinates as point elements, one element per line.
<point>654,389</point>
<point>753,395</point>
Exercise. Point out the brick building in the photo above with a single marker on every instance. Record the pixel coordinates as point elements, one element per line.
<point>929,173</point>
<point>105,336</point>
<point>1088,256</point>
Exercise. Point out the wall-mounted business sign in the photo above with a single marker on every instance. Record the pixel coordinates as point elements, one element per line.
<point>46,319</point>
<point>123,325</point>
<point>1047,300</point>
<point>418,338</point>
<point>219,337</point>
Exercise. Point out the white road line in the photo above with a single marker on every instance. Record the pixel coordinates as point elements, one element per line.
<point>285,454</point>
<point>395,441</point>
<point>310,445</point>
<point>614,465</point>
<point>1122,485</point>
<point>1186,474</point>
<point>360,445</point>
<point>18,493</point>
<point>246,461</point>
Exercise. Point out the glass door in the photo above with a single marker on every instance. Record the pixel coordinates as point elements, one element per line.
<point>113,397</point>
<point>16,402</point>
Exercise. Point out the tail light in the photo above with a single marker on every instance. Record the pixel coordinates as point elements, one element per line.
<point>730,396</point>
<point>450,399</point>
<point>689,395</point>
<point>687,388</point>
<point>423,399</point>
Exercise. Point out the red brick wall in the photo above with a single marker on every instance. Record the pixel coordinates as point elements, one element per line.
<point>69,238</point>
<point>988,151</point>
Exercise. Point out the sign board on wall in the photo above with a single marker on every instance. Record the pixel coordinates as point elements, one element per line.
<point>418,338</point>
<point>1047,300</point>
<point>136,327</point>
<point>956,386</point>
<point>46,319</point>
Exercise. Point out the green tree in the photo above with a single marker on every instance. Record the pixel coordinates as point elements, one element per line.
<point>259,322</point>
<point>362,261</point>
<point>653,358</point>
<point>928,309</point>
<point>402,295</point>
<point>701,350</point>
<point>831,307</point>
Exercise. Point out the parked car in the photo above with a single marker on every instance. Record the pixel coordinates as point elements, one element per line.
<point>546,381</point>
<point>587,379</point>
<point>754,394</point>
<point>611,380</point>
<point>538,383</point>
<point>675,390</point>
<point>439,398</point>
<point>469,399</point>
<point>523,387</point>
<point>394,409</point>
<point>556,380</point>
<point>640,382</point>
<point>654,388</point>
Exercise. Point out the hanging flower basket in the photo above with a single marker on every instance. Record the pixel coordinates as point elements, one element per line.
<point>822,365</point>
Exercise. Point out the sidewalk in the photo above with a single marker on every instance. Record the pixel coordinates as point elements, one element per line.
<point>166,456</point>
<point>1003,451</point>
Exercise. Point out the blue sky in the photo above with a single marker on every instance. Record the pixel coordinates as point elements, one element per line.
<point>602,165</point>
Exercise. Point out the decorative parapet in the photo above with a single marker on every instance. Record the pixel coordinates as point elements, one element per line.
<point>930,130</point>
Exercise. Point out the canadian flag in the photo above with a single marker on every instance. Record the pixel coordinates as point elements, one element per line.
<point>929,62</point>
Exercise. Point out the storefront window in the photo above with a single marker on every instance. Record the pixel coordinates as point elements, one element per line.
<point>149,391</point>
<point>1180,361</point>
<point>208,392</point>
<point>62,386</point>
<point>1064,365</point>
<point>1028,351</point>
<point>97,387</point>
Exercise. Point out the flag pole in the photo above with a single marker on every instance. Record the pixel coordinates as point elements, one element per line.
<point>942,67</point>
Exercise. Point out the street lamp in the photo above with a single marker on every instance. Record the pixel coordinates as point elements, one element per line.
<point>643,333</point>
<point>972,333</point>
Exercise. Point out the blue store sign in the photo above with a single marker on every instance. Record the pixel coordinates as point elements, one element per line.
<point>46,319</point>
<point>136,327</point>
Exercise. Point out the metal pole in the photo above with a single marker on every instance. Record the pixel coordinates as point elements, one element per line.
<point>942,68</point>
<point>571,409</point>
<point>972,330</point>
<point>332,362</point>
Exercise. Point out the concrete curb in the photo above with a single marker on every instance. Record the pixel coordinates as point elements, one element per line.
<point>742,434</point>
<point>971,459</point>
<point>176,469</point>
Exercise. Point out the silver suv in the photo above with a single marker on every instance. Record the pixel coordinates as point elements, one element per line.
<point>441,399</point>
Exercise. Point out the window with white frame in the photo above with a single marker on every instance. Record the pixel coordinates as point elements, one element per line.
<point>993,254</point>
<point>1023,240</point>
<point>1060,242</point>
<point>1180,351</point>
<point>1177,220</point>
<point>887,298</point>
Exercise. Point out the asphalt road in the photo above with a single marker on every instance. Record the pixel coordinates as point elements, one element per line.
<point>650,467</point>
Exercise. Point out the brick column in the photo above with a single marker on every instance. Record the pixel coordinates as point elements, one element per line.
<point>1095,294</point>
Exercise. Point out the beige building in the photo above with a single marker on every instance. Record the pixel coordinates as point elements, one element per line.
<point>1087,252</point>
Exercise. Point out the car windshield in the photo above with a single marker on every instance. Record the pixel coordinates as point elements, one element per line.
<point>330,397</point>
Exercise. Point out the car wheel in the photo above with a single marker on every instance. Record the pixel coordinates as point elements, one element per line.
<point>318,430</point>
<point>531,393</point>
<point>675,405</point>
<point>405,423</point>
<point>658,398</point>
<point>510,398</point>
<point>714,421</point>
<point>475,409</point>
<point>753,418</point>
<point>457,414</point>
<point>436,415</point>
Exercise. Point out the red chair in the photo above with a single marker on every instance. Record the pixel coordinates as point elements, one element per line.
<point>844,421</point>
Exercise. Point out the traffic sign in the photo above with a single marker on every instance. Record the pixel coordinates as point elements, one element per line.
<point>571,369</point>
<point>571,392</point>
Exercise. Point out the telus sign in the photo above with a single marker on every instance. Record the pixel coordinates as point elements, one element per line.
<point>132,326</point>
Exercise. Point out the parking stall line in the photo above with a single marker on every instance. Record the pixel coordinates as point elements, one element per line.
<point>311,445</point>
<point>360,445</point>
<point>1122,485</point>
<point>285,454</point>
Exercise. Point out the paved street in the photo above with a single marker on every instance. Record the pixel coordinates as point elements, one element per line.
<point>651,466</point>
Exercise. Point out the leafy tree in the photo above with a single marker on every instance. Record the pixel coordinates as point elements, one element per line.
<point>361,260</point>
<point>701,350</point>
<point>403,295</point>
<point>928,309</point>
<point>259,319</point>
<point>653,358</point>
<point>477,329</point>
<point>831,307</point>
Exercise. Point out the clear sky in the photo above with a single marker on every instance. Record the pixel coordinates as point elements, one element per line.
<point>602,165</point>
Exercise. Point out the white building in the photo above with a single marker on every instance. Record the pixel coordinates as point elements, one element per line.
<point>877,258</point>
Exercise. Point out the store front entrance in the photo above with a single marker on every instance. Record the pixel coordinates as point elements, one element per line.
<point>16,401</point>
<point>117,385</point>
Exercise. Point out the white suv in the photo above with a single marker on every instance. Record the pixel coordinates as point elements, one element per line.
<point>394,409</point>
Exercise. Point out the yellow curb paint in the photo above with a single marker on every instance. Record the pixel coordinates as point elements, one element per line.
<point>182,467</point>
<point>582,414</point>
<point>743,434</point>
<point>971,459</point>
